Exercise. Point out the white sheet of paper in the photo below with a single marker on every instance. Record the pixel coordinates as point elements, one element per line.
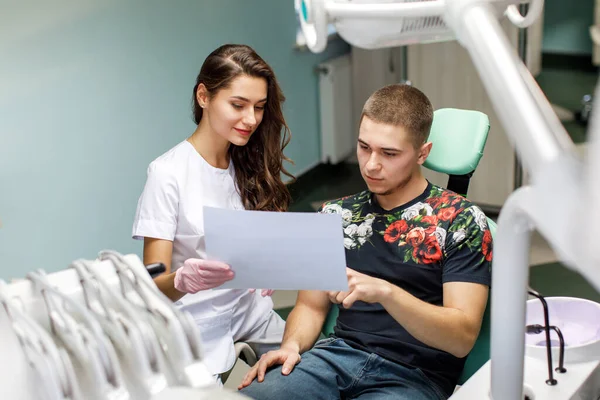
<point>277,250</point>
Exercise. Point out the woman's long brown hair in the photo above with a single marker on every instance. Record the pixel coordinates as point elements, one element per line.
<point>259,164</point>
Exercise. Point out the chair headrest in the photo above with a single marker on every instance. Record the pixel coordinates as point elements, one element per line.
<point>458,138</point>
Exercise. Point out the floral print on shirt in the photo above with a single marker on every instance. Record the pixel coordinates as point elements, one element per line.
<point>422,232</point>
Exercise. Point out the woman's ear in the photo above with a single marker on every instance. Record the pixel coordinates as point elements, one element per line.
<point>202,95</point>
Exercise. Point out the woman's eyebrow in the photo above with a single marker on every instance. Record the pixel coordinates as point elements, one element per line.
<point>247,100</point>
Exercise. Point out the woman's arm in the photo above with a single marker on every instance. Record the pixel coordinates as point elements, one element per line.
<point>159,250</point>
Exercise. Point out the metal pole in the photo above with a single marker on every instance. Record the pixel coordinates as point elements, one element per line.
<point>522,47</point>
<point>510,275</point>
<point>541,141</point>
<point>404,66</point>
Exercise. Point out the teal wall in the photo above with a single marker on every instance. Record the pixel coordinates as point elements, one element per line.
<point>92,91</point>
<point>566,26</point>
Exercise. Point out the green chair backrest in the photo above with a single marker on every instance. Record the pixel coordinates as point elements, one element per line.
<point>458,138</point>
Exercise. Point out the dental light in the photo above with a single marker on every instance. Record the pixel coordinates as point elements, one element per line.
<point>562,200</point>
<point>386,23</point>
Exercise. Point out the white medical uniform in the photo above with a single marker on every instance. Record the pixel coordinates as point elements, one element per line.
<point>180,182</point>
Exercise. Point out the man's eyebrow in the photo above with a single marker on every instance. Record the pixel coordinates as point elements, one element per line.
<point>383,148</point>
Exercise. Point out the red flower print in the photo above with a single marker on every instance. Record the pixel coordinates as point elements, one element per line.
<point>448,213</point>
<point>395,230</point>
<point>451,198</point>
<point>435,202</point>
<point>446,199</point>
<point>455,199</point>
<point>415,237</point>
<point>430,219</point>
<point>429,252</point>
<point>486,245</point>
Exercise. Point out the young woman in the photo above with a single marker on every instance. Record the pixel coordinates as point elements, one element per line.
<point>232,160</point>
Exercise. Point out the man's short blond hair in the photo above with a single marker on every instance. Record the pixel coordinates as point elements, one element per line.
<point>404,106</point>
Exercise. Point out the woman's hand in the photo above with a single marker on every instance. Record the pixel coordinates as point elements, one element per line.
<point>196,274</point>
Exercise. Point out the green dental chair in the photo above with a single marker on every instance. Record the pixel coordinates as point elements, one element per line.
<point>458,138</point>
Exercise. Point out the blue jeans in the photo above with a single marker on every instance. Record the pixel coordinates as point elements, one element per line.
<point>334,370</point>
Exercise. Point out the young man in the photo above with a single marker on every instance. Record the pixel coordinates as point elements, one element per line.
<point>418,272</point>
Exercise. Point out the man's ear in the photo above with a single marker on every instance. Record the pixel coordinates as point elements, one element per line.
<point>424,152</point>
<point>202,95</point>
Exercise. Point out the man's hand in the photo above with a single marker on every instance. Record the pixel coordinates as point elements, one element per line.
<point>361,287</point>
<point>287,356</point>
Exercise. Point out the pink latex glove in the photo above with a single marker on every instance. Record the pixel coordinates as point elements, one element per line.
<point>196,274</point>
<point>264,292</point>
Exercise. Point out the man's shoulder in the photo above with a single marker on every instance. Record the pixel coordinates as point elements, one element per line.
<point>446,201</point>
<point>456,214</point>
<point>438,192</point>
<point>336,206</point>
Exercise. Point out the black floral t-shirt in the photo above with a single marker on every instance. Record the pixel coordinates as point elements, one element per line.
<point>438,237</point>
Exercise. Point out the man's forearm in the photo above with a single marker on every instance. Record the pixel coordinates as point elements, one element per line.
<point>444,328</point>
<point>302,328</point>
